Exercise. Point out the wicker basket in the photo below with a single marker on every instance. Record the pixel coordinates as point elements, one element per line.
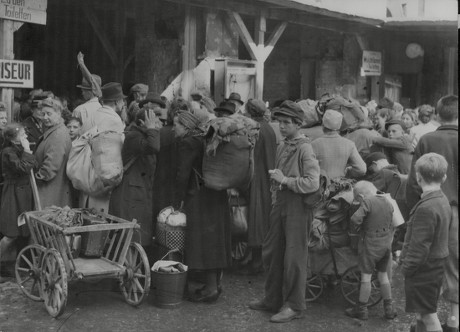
<point>170,237</point>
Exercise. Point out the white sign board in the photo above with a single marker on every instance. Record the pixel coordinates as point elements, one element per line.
<point>16,74</point>
<point>30,11</point>
<point>371,64</point>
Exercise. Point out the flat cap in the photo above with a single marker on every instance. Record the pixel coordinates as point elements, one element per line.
<point>291,109</point>
<point>332,120</point>
<point>393,122</point>
<point>139,87</point>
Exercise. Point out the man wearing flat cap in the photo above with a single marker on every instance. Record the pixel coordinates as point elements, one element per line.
<point>284,251</point>
<point>106,118</point>
<point>139,92</point>
<point>91,104</point>
<point>398,146</point>
<point>337,156</point>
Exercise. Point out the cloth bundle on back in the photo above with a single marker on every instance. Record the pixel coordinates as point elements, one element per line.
<point>352,113</point>
<point>228,161</point>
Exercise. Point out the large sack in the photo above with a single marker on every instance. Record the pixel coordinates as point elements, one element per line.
<point>95,165</point>
<point>352,113</point>
<point>228,159</point>
<point>312,117</point>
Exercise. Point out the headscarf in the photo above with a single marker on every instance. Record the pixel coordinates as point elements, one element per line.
<point>188,120</point>
<point>256,108</point>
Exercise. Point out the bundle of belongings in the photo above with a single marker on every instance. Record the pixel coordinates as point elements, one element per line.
<point>172,217</point>
<point>331,220</point>
<point>352,113</point>
<point>169,267</point>
<point>228,161</point>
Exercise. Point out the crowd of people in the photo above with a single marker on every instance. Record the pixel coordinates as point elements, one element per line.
<point>407,153</point>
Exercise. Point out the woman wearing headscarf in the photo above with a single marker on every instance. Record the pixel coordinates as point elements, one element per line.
<point>208,237</point>
<point>259,192</point>
<point>132,199</point>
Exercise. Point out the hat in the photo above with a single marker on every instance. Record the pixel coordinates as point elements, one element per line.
<point>152,98</point>
<point>373,157</point>
<point>256,107</point>
<point>139,87</point>
<point>188,120</point>
<point>85,85</point>
<point>112,91</point>
<point>196,95</point>
<point>2,105</point>
<point>235,96</point>
<point>332,120</point>
<point>226,106</point>
<point>393,122</point>
<point>37,99</point>
<point>290,109</point>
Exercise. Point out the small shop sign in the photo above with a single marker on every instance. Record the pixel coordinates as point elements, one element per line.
<point>371,64</point>
<point>16,74</point>
<point>29,11</point>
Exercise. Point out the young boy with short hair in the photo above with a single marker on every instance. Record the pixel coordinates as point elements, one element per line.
<point>373,222</point>
<point>74,125</point>
<point>426,243</point>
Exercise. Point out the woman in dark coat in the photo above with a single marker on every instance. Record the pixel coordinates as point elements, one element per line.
<point>208,237</point>
<point>17,161</point>
<point>132,199</point>
<point>259,193</point>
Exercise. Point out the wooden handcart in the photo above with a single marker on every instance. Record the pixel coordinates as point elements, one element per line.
<point>44,268</point>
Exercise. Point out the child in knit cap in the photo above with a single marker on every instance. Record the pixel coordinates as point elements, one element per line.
<point>373,222</point>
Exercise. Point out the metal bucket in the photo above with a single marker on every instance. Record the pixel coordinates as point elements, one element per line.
<point>168,288</point>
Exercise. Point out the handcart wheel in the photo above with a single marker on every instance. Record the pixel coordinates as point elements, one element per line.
<point>27,271</point>
<point>135,283</point>
<point>314,289</point>
<point>350,283</point>
<point>53,280</point>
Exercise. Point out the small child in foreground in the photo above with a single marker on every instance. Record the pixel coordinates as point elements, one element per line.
<point>373,222</point>
<point>426,243</point>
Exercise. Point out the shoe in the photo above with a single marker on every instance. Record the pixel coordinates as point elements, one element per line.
<point>446,328</point>
<point>260,305</point>
<point>286,315</point>
<point>359,311</point>
<point>205,298</point>
<point>390,313</point>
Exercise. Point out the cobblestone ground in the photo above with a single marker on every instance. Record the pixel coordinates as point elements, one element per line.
<point>95,307</point>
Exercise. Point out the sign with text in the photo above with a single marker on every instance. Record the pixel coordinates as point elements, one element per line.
<point>371,64</point>
<point>16,74</point>
<point>30,11</point>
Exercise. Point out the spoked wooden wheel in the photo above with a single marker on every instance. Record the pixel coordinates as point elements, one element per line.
<point>314,289</point>
<point>350,283</point>
<point>53,280</point>
<point>135,283</point>
<point>27,271</point>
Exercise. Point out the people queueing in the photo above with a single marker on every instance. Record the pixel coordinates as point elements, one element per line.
<point>208,236</point>
<point>336,155</point>
<point>284,251</point>
<point>425,125</point>
<point>52,153</point>
<point>372,222</point>
<point>444,141</point>
<point>425,249</point>
<point>259,191</point>
<point>398,145</point>
<point>132,198</point>
<point>17,162</point>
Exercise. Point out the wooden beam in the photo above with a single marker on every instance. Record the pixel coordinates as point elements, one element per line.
<point>6,52</point>
<point>273,39</point>
<point>259,35</point>
<point>94,21</point>
<point>188,52</point>
<point>244,34</point>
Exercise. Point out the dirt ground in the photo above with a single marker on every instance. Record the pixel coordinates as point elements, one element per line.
<point>97,307</point>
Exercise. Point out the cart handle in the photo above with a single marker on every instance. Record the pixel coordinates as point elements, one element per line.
<point>170,252</point>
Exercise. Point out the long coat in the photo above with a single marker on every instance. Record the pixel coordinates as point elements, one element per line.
<point>208,236</point>
<point>259,192</point>
<point>52,153</point>
<point>132,199</point>
<point>16,194</point>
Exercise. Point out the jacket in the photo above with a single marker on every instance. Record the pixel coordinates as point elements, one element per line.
<point>52,154</point>
<point>427,232</point>
<point>399,151</point>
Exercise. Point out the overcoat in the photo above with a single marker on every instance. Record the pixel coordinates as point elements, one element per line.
<point>132,199</point>
<point>16,194</point>
<point>52,153</point>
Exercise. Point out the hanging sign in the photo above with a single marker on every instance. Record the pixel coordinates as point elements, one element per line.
<point>371,64</point>
<point>16,74</point>
<point>30,11</point>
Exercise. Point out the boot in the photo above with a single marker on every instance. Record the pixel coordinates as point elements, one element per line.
<point>390,313</point>
<point>359,311</point>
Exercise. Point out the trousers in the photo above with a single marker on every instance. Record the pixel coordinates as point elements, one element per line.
<point>285,250</point>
